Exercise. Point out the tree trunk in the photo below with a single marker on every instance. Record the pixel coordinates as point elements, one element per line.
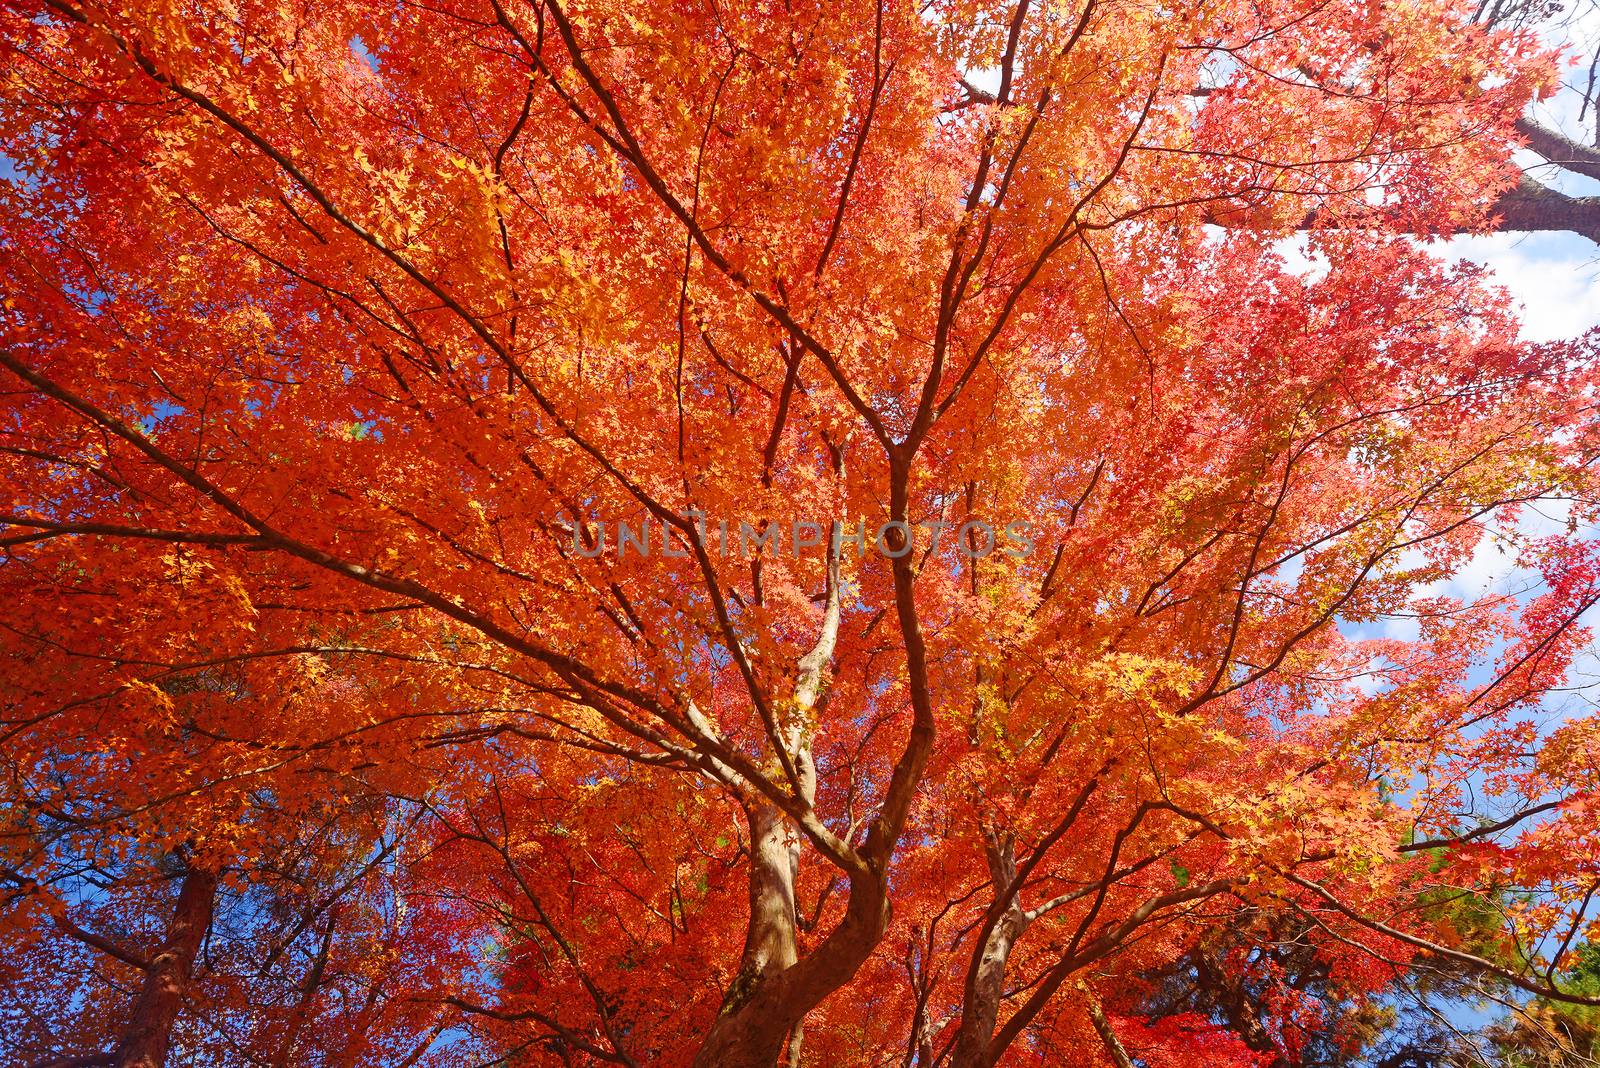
<point>1534,207</point>
<point>1108,1037</point>
<point>770,946</point>
<point>769,942</point>
<point>982,1007</point>
<point>1228,989</point>
<point>797,1038</point>
<point>755,1035</point>
<point>148,1035</point>
<point>986,978</point>
<point>762,1022</point>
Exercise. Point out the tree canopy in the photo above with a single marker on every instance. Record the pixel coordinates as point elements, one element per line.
<point>571,532</point>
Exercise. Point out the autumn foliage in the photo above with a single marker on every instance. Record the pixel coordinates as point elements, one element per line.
<point>335,334</point>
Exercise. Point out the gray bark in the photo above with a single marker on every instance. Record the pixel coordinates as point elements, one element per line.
<point>980,1008</point>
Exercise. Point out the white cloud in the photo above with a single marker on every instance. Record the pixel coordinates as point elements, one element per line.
<point>1554,278</point>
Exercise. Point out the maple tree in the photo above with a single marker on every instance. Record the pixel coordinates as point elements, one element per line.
<point>1048,604</point>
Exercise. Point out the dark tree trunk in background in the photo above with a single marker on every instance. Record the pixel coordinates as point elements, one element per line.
<point>148,1036</point>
